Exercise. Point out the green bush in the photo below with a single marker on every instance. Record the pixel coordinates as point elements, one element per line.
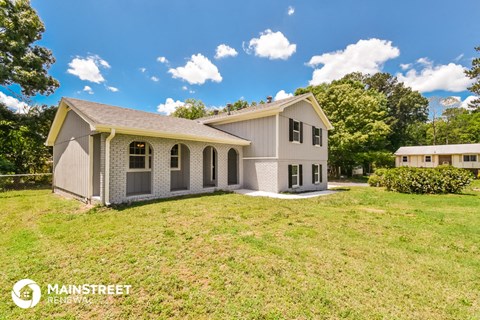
<point>443,179</point>
<point>377,178</point>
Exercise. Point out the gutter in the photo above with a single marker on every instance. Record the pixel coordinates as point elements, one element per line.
<point>107,167</point>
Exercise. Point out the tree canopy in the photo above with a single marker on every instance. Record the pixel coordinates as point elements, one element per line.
<point>474,73</point>
<point>21,61</point>
<point>192,109</point>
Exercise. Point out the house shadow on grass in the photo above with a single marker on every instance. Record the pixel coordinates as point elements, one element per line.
<point>124,206</point>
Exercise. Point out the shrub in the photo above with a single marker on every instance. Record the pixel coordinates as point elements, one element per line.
<point>443,179</point>
<point>377,178</point>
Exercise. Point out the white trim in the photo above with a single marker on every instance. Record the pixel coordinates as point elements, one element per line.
<point>146,156</point>
<point>277,134</point>
<point>298,131</point>
<point>317,178</point>
<point>107,166</point>
<point>90,167</point>
<point>179,156</point>
<point>297,175</point>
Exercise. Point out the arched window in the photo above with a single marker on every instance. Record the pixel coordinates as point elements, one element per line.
<point>139,173</point>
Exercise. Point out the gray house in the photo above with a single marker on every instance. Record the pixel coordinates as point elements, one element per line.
<point>108,154</point>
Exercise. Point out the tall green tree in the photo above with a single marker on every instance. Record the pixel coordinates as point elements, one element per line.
<point>474,73</point>
<point>21,61</point>
<point>405,107</point>
<point>192,109</point>
<point>358,117</point>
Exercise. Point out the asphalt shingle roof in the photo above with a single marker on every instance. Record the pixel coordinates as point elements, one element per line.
<point>107,115</point>
<point>440,149</point>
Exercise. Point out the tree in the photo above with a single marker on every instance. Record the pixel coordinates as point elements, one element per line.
<point>22,62</point>
<point>405,107</point>
<point>474,73</point>
<point>22,138</point>
<point>192,109</point>
<point>358,117</point>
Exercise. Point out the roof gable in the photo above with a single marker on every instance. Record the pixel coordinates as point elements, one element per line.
<point>267,109</point>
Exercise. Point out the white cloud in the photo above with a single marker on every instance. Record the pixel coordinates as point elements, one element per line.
<point>468,100</point>
<point>450,77</point>
<point>169,106</point>
<point>113,89</point>
<point>88,68</point>
<point>224,51</point>
<point>88,89</point>
<point>291,10</point>
<point>366,56</point>
<point>154,79</point>
<point>197,70</point>
<point>162,60</point>
<point>405,66</point>
<point>13,103</point>
<point>142,70</point>
<point>271,45</point>
<point>425,61</point>
<point>282,95</point>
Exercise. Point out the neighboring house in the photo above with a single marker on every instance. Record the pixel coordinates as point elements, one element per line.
<point>465,156</point>
<point>113,155</point>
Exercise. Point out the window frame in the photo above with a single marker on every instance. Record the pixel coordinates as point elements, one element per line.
<point>297,175</point>
<point>296,131</point>
<point>316,175</point>
<point>469,157</point>
<point>425,159</point>
<point>404,159</point>
<point>319,137</point>
<point>148,156</point>
<point>178,156</point>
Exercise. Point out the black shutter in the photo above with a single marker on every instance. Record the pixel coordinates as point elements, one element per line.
<point>290,130</point>
<point>301,132</point>
<point>313,173</point>
<point>300,174</point>
<point>313,135</point>
<point>321,137</point>
<point>321,173</point>
<point>289,175</point>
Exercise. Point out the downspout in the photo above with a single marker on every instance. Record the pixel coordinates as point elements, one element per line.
<point>107,166</point>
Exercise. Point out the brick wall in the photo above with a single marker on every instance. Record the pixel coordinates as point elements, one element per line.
<point>161,167</point>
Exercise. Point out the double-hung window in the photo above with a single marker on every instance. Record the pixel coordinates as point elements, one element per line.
<point>317,136</point>
<point>316,173</point>
<point>295,131</point>
<point>295,175</point>
<point>140,156</point>
<point>175,157</point>
<point>428,158</point>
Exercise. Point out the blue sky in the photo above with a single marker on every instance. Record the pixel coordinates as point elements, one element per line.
<point>111,51</point>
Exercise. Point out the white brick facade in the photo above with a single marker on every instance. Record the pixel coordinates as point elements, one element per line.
<point>119,161</point>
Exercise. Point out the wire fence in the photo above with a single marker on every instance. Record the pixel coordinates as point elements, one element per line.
<point>25,181</point>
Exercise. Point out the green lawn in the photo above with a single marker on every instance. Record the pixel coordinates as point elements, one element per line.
<point>360,254</point>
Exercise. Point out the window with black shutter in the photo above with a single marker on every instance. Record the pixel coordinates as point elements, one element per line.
<point>295,131</point>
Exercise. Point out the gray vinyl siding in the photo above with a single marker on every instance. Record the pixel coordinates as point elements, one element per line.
<point>304,112</point>
<point>261,132</point>
<point>70,156</point>
<point>180,179</point>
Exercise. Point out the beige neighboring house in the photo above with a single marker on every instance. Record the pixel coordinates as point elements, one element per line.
<point>465,156</point>
<point>109,154</point>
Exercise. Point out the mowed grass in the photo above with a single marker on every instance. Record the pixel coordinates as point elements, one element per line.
<point>364,253</point>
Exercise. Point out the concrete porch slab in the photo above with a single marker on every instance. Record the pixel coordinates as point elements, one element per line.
<point>255,193</point>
